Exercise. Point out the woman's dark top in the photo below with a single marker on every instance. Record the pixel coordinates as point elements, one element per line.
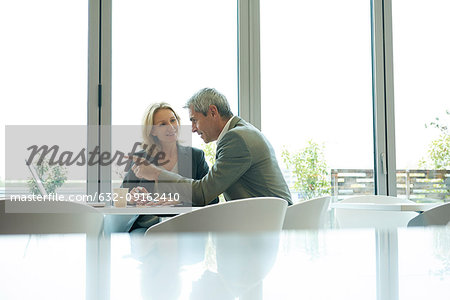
<point>191,164</point>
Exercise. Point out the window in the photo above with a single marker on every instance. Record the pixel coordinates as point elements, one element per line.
<point>165,51</point>
<point>43,74</point>
<point>421,64</point>
<point>316,93</point>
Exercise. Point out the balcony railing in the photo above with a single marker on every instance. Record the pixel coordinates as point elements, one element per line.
<point>416,185</point>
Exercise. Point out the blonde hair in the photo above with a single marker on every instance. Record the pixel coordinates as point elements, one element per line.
<point>147,125</point>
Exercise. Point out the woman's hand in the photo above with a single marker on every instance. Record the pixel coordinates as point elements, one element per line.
<point>136,193</point>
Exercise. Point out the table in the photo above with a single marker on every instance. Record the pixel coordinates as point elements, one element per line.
<point>325,264</point>
<point>417,207</point>
<point>117,218</point>
<point>133,210</point>
<point>384,217</point>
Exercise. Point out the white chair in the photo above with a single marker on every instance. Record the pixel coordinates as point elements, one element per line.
<point>252,214</point>
<point>361,218</point>
<point>32,217</point>
<point>439,215</point>
<point>309,214</point>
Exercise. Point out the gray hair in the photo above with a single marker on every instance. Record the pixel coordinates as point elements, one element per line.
<point>209,96</point>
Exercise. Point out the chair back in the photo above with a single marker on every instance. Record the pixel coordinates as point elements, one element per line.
<point>245,215</point>
<point>309,214</point>
<point>48,217</point>
<point>439,215</point>
<point>363,218</point>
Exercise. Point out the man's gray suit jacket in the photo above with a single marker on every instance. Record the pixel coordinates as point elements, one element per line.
<point>245,167</point>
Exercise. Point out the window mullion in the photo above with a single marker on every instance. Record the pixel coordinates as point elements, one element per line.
<point>249,61</point>
<point>93,108</point>
<point>389,100</point>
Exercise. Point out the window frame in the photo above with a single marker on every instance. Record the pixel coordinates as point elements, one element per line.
<point>249,85</point>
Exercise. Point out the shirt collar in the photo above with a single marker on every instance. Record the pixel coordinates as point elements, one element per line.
<point>224,130</point>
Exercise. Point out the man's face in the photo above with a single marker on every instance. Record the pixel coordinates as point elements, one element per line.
<point>205,126</point>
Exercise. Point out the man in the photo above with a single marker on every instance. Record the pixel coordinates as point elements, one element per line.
<point>245,165</point>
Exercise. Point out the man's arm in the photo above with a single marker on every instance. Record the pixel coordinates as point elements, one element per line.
<point>233,160</point>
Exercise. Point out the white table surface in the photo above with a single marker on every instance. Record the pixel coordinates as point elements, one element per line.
<point>155,210</point>
<point>333,264</point>
<point>419,207</point>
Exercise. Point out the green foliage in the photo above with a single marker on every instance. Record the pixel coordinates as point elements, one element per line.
<point>310,170</point>
<point>439,149</point>
<point>52,177</point>
<point>439,152</point>
<point>210,153</point>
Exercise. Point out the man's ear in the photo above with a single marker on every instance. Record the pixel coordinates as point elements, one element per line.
<point>213,110</point>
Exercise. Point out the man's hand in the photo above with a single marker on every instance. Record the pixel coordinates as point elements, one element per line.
<point>144,169</point>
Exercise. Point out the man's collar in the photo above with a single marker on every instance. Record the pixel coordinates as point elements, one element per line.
<point>224,130</point>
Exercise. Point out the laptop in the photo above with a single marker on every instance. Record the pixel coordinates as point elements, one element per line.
<point>44,193</point>
<point>37,179</point>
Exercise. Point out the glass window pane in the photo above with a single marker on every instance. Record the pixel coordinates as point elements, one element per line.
<point>165,51</point>
<point>422,107</point>
<point>316,94</point>
<point>43,73</point>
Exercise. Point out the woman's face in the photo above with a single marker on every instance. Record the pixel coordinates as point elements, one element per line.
<point>165,126</point>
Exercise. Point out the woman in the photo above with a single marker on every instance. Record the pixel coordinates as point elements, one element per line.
<point>160,133</point>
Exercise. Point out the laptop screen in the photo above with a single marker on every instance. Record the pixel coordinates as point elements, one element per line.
<point>37,179</point>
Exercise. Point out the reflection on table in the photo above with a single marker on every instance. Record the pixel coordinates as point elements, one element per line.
<point>333,264</point>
